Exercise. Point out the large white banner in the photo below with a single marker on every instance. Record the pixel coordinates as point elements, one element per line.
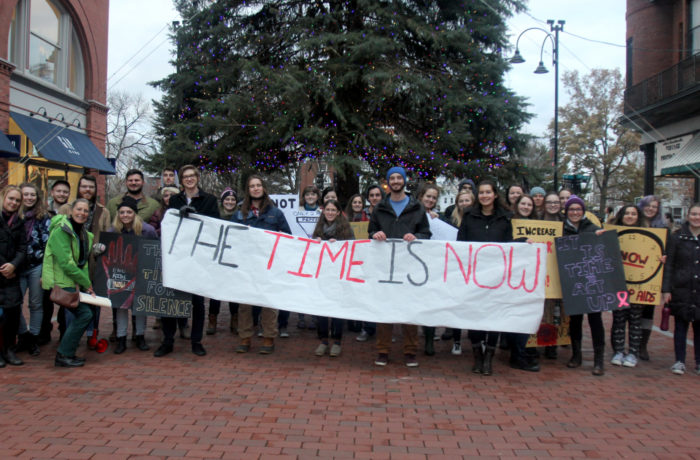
<point>483,286</point>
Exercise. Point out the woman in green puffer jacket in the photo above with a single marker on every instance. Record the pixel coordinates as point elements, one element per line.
<point>66,265</point>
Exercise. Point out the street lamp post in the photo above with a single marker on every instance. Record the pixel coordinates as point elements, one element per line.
<point>518,59</point>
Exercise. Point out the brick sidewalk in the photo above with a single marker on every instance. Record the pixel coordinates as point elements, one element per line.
<point>292,404</point>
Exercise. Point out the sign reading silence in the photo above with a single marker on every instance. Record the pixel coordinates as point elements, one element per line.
<point>129,274</point>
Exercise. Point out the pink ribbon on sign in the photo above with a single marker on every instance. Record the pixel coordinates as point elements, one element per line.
<point>622,297</point>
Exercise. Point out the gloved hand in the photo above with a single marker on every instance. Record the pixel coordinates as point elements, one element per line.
<point>186,210</point>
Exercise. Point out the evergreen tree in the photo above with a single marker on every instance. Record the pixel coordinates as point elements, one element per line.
<point>264,84</point>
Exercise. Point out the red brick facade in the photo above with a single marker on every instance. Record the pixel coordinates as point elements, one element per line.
<point>90,21</point>
<point>659,32</point>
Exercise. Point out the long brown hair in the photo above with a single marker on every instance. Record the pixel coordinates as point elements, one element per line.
<point>343,230</point>
<point>39,207</point>
<point>247,201</point>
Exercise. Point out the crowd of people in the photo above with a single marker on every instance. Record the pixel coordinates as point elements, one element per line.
<point>54,243</point>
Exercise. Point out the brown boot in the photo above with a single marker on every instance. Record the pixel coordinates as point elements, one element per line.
<point>211,327</point>
<point>268,346</point>
<point>244,346</point>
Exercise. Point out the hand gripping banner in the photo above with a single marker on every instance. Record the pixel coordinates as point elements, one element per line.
<point>484,286</point>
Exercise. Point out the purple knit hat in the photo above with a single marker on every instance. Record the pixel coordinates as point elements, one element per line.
<point>573,199</point>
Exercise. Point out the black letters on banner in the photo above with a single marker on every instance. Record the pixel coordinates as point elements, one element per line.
<point>152,298</point>
<point>591,273</point>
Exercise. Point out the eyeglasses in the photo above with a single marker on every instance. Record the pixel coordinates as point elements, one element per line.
<point>189,176</point>
<point>575,210</point>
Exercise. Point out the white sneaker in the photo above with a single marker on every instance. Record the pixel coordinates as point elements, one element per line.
<point>321,349</point>
<point>617,359</point>
<point>678,368</point>
<point>457,348</point>
<point>629,361</point>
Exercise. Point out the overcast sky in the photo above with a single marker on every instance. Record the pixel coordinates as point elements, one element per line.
<point>139,49</point>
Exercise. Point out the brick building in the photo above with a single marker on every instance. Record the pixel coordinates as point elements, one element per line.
<point>662,99</point>
<point>53,90</point>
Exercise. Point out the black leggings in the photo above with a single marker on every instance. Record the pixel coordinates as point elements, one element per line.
<point>595,321</point>
<point>215,307</point>
<point>10,326</point>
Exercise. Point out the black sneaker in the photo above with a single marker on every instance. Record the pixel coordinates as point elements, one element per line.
<point>163,350</point>
<point>198,349</point>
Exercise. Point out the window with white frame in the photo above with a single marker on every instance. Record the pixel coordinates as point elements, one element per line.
<point>43,44</point>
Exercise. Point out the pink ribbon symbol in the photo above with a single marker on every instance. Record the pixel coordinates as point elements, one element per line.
<point>622,297</point>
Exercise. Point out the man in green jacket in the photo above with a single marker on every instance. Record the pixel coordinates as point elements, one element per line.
<point>134,188</point>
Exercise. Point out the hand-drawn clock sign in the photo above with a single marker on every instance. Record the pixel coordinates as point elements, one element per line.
<point>639,268</point>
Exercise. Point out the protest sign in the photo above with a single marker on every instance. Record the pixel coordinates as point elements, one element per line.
<point>554,328</point>
<point>117,269</point>
<point>485,286</point>
<point>441,231</point>
<point>301,222</point>
<point>359,229</point>
<point>543,231</point>
<point>152,298</point>
<point>642,250</point>
<point>590,269</point>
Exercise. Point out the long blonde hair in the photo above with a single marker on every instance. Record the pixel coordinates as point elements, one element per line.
<point>458,214</point>
<point>137,226</point>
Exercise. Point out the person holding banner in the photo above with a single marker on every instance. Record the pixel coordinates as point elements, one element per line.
<point>650,209</point>
<point>66,265</point>
<point>524,208</point>
<point>127,221</point>
<point>628,216</point>
<point>257,210</point>
<point>331,226</point>
<point>575,223</point>
<point>398,216</point>
<point>13,253</point>
<point>487,221</point>
<point>681,287</point>
<point>191,200</point>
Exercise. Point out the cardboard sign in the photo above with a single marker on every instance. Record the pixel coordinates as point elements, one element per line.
<point>641,250</point>
<point>359,229</point>
<point>441,231</point>
<point>554,328</point>
<point>485,286</point>
<point>151,297</point>
<point>590,269</point>
<point>117,269</point>
<point>543,231</point>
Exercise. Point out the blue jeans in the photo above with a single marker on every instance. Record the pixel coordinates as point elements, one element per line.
<point>31,279</point>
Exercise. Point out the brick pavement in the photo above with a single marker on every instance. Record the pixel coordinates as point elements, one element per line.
<point>292,404</point>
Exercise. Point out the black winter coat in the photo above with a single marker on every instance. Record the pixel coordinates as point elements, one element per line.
<point>478,227</point>
<point>413,220</point>
<point>682,274</point>
<point>206,204</point>
<point>586,226</point>
<point>13,249</point>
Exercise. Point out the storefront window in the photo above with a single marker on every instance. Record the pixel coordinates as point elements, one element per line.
<point>43,43</point>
